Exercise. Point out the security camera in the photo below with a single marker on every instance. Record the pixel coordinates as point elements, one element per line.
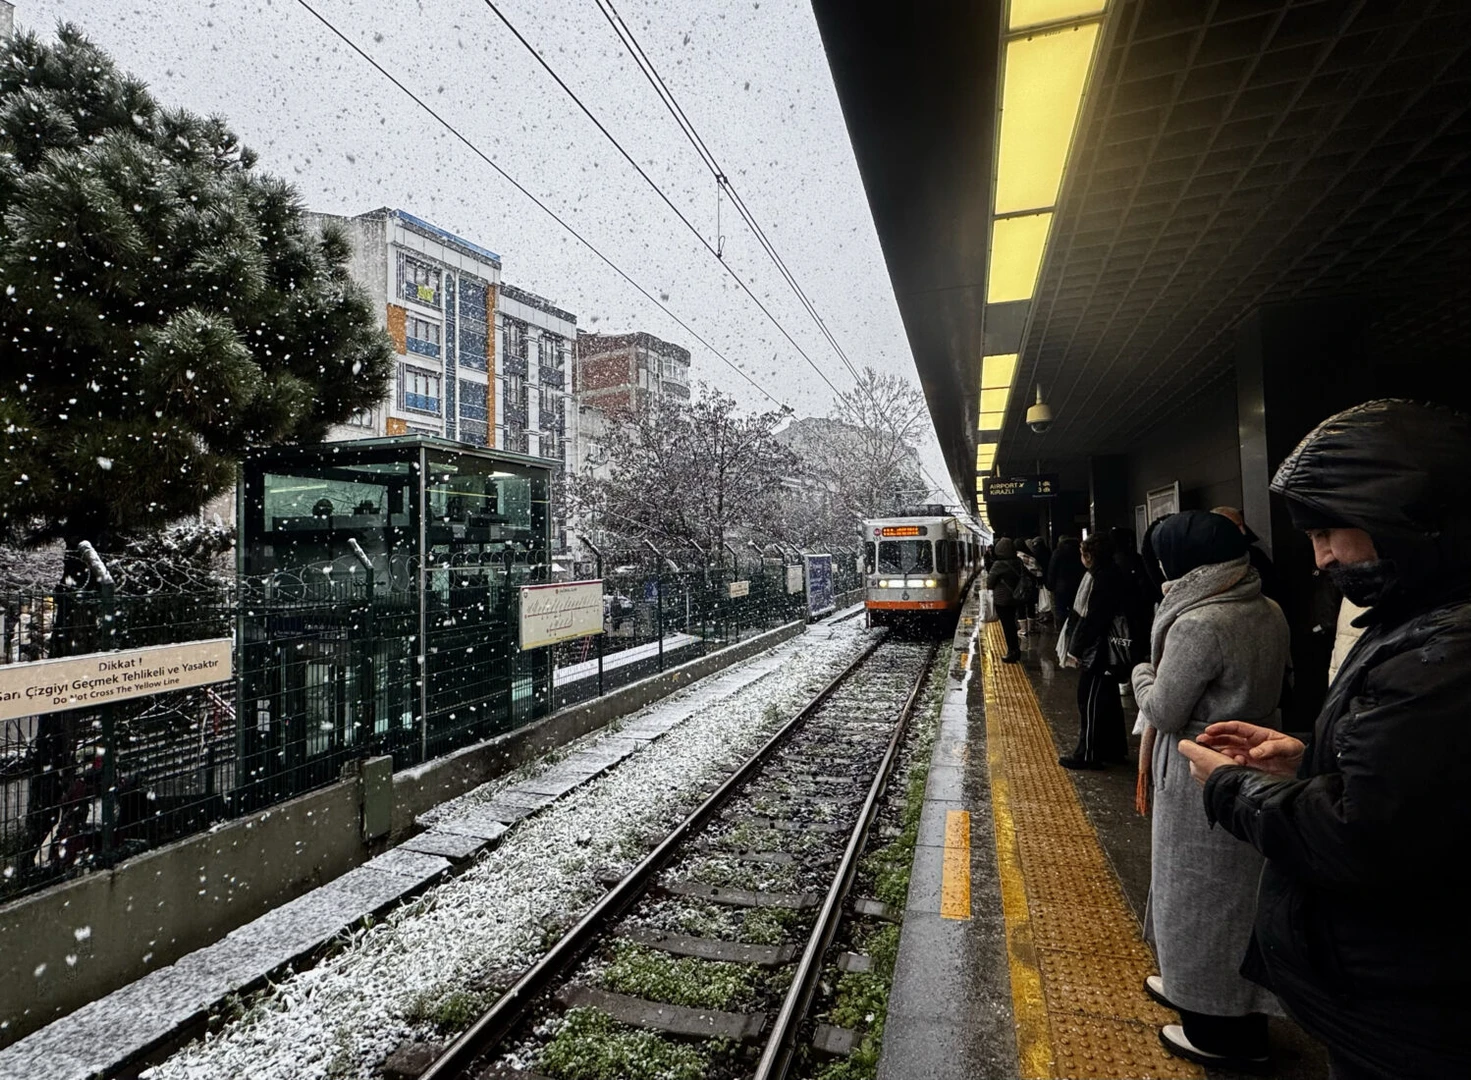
<point>1039,416</point>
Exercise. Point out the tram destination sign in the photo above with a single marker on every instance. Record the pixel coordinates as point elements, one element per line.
<point>75,682</point>
<point>553,613</point>
<point>1041,486</point>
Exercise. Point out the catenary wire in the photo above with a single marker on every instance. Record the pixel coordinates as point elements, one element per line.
<point>657,190</point>
<point>543,206</point>
<point>671,103</point>
<point>330,26</point>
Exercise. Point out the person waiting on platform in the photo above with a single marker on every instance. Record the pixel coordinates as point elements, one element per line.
<point>1361,911</point>
<point>1064,574</point>
<point>1102,598</point>
<point>1217,650</point>
<point>1008,590</point>
<point>1261,562</point>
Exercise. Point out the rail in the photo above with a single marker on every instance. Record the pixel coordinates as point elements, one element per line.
<point>501,1020</point>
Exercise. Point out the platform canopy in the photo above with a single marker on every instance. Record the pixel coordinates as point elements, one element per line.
<point>1093,194</point>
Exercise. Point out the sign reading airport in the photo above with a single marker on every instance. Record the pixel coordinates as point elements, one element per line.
<point>560,612</point>
<point>74,682</point>
<point>1041,486</point>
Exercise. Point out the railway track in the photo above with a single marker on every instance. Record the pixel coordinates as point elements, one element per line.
<point>755,880</point>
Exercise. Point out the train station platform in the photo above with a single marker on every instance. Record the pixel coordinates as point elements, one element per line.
<point>1022,951</point>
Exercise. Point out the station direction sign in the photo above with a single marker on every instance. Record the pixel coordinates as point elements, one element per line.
<point>1040,486</point>
<point>561,612</point>
<point>74,682</point>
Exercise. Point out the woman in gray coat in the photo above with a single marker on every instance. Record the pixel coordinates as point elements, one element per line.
<point>1217,651</point>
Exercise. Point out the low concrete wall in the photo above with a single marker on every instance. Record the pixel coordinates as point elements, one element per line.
<point>82,939</point>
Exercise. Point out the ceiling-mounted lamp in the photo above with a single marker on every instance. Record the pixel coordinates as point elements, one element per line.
<point>1039,416</point>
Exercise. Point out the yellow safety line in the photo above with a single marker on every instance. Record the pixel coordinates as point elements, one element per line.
<point>1028,1003</point>
<point>1074,951</point>
<point>955,872</point>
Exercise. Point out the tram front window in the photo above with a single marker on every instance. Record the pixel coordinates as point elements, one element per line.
<point>906,557</point>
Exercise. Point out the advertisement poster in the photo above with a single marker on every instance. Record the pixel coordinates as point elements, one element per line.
<point>820,598</point>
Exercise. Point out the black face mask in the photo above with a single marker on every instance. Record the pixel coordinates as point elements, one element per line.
<point>1363,584</point>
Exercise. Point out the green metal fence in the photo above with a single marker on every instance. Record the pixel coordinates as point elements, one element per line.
<point>327,668</point>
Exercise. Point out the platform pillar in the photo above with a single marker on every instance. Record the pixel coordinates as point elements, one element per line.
<point>1296,365</point>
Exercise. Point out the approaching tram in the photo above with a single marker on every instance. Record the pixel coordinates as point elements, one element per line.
<point>918,563</point>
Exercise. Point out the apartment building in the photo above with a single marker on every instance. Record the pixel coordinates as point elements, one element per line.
<point>533,373</point>
<point>437,297</point>
<point>615,372</point>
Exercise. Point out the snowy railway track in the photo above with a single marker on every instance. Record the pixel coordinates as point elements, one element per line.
<point>773,851</point>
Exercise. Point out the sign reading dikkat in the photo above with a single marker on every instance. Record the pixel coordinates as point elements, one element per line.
<point>553,613</point>
<point>74,682</point>
<point>1043,486</point>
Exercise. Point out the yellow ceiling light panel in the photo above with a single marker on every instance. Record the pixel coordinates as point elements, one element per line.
<point>991,421</point>
<point>1041,94</point>
<point>997,371</point>
<point>994,401</point>
<point>1017,244</point>
<point>1026,13</point>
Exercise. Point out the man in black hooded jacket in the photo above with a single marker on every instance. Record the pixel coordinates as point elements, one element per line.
<point>1361,912</point>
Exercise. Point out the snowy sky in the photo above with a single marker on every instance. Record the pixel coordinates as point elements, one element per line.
<point>751,76</point>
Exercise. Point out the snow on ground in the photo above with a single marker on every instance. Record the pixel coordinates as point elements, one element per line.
<point>343,1017</point>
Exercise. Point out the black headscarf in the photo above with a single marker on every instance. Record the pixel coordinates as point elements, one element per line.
<point>1195,538</point>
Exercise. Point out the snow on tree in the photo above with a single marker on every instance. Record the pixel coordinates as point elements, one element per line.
<point>697,474</point>
<point>859,462</point>
<point>165,309</point>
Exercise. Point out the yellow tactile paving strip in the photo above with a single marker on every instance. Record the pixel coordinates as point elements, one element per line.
<point>1076,957</point>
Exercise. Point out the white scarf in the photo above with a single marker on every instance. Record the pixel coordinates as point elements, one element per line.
<point>1085,590</point>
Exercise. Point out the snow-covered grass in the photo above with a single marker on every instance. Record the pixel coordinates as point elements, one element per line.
<point>343,1017</point>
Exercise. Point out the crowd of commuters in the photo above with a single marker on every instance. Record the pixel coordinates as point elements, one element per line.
<point>1324,878</point>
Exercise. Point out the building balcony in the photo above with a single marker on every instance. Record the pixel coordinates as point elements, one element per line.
<point>516,365</point>
<point>553,377</point>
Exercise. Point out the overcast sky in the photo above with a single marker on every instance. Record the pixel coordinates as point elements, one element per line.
<point>751,76</point>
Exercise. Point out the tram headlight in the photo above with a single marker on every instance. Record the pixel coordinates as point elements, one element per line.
<point>930,583</point>
<point>883,583</point>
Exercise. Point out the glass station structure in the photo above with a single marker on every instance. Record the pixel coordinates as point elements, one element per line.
<point>380,609</point>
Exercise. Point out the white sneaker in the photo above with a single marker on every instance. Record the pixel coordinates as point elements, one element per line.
<point>1154,986</point>
<point>1172,1037</point>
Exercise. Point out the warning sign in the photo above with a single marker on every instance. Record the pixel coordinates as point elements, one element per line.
<point>73,682</point>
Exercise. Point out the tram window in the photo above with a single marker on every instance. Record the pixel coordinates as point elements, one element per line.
<point>945,556</point>
<point>905,556</point>
<point>868,557</point>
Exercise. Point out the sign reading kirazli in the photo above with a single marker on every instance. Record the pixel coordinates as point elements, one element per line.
<point>73,682</point>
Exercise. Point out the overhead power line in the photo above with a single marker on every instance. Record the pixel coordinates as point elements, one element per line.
<point>499,14</point>
<point>580,238</point>
<point>671,103</point>
<point>524,191</point>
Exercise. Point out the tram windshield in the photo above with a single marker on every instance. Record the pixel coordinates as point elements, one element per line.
<point>905,556</point>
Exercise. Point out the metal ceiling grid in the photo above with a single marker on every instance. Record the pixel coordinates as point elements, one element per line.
<point>1245,152</point>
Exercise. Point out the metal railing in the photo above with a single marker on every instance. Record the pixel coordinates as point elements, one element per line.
<point>327,669</point>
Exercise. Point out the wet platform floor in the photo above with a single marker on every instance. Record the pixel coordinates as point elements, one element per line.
<point>1022,952</point>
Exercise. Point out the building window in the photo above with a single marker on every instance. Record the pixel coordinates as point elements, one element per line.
<point>421,282</point>
<point>514,339</point>
<point>474,331</point>
<point>363,418</point>
<point>474,412</point>
<point>422,336</point>
<point>420,390</point>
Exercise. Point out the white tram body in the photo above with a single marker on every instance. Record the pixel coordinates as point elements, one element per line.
<point>919,563</point>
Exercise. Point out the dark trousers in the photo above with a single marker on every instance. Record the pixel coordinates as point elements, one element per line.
<point>1007,614</point>
<point>1238,1036</point>
<point>1341,1068</point>
<point>1101,734</point>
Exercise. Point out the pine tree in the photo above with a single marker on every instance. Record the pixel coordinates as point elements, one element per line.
<point>165,307</point>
